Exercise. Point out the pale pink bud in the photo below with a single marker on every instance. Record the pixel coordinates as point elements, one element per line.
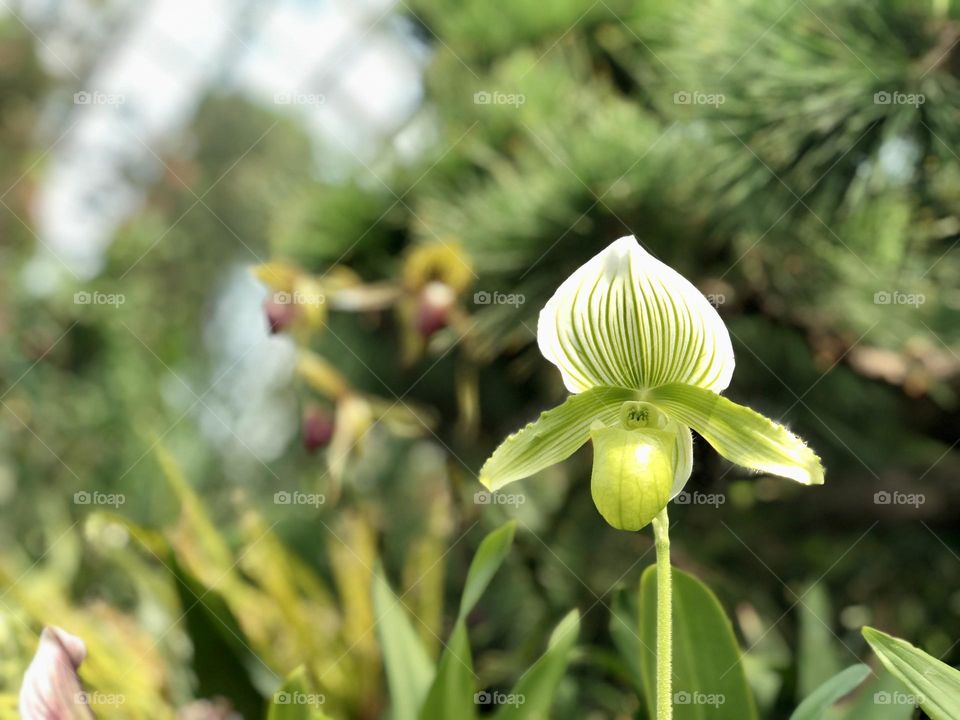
<point>51,688</point>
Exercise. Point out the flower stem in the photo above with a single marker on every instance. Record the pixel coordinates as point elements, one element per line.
<point>661,534</point>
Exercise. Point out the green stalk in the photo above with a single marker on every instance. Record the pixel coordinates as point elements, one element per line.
<point>661,534</point>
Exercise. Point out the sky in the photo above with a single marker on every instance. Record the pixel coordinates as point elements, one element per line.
<point>132,74</point>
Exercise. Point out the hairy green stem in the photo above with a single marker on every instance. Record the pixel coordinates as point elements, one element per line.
<point>661,534</point>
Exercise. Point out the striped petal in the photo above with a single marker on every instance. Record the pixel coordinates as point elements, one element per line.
<point>625,319</point>
<point>555,436</point>
<point>741,435</point>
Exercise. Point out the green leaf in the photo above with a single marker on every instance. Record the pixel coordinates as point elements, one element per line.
<point>408,667</point>
<point>633,474</point>
<point>451,694</point>
<point>485,564</point>
<point>222,660</point>
<point>817,659</point>
<point>625,319</point>
<point>554,437</point>
<point>739,434</point>
<point>936,684</point>
<point>623,630</point>
<point>884,698</point>
<point>536,687</point>
<point>708,678</point>
<point>834,689</point>
<point>296,700</point>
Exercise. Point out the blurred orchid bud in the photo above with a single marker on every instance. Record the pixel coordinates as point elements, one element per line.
<point>279,314</point>
<point>317,427</point>
<point>51,688</point>
<point>297,299</point>
<point>433,307</point>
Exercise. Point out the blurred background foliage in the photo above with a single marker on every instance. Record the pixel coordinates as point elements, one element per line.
<point>797,161</point>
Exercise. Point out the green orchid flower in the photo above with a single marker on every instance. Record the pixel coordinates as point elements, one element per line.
<point>645,356</point>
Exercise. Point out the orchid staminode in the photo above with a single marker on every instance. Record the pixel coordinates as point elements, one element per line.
<point>645,356</point>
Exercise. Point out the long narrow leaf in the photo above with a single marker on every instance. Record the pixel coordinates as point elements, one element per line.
<point>836,688</point>
<point>533,693</point>
<point>817,659</point>
<point>408,668</point>
<point>936,684</point>
<point>452,692</point>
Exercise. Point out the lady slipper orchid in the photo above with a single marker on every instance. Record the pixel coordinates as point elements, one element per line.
<point>645,356</point>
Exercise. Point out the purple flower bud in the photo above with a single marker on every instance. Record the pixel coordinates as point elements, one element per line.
<point>433,307</point>
<point>317,427</point>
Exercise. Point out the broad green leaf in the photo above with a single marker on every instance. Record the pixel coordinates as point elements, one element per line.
<point>739,434</point>
<point>708,677</point>
<point>296,700</point>
<point>408,668</point>
<point>936,684</point>
<point>817,659</point>
<point>535,689</point>
<point>633,474</point>
<point>625,319</point>
<point>555,436</point>
<point>836,688</point>
<point>452,693</point>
